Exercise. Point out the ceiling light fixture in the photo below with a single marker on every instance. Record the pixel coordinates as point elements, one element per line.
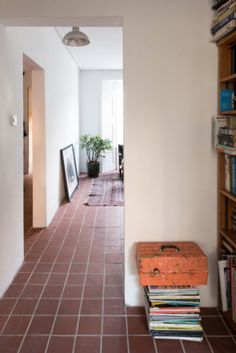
<point>75,38</point>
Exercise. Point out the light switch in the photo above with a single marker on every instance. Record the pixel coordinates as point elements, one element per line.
<point>14,120</point>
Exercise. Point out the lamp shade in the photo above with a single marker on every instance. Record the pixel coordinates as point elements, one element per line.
<point>75,38</point>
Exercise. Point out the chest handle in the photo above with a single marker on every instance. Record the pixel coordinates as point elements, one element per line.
<point>173,247</point>
<point>156,271</point>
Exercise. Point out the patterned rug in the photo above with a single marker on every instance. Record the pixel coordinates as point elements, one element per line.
<point>106,190</point>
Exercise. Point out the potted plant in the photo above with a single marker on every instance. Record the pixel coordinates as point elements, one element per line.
<point>95,147</point>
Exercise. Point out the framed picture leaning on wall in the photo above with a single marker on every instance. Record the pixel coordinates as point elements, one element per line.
<point>71,180</point>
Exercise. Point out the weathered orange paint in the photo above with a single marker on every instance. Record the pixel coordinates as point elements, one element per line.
<point>178,263</point>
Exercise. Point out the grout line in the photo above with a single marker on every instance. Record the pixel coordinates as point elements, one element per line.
<point>209,345</point>
<point>182,346</point>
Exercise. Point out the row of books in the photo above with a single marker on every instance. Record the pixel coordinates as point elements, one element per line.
<point>173,312</point>
<point>227,275</point>
<point>230,174</point>
<point>224,20</point>
<point>227,137</point>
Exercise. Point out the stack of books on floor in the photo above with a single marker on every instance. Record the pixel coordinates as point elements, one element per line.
<point>173,312</point>
<point>224,20</point>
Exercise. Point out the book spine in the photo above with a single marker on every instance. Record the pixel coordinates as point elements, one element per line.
<point>222,276</point>
<point>220,18</point>
<point>224,7</point>
<point>233,175</point>
<point>229,27</point>
<point>218,3</point>
<point>227,173</point>
<point>222,23</point>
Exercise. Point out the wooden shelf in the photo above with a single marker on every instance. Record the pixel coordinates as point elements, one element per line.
<point>228,112</point>
<point>230,78</point>
<point>228,195</point>
<point>229,235</point>
<point>228,318</point>
<point>228,40</point>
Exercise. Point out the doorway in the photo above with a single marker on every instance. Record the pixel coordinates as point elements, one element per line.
<point>112,120</point>
<point>34,146</point>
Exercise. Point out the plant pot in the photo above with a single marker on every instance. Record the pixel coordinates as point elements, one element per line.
<point>93,169</point>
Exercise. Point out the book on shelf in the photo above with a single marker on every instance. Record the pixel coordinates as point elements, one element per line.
<point>233,292</point>
<point>228,247</point>
<point>222,16</point>
<point>222,264</point>
<point>227,173</point>
<point>226,29</point>
<point>226,100</point>
<point>224,7</point>
<point>223,22</point>
<point>217,3</point>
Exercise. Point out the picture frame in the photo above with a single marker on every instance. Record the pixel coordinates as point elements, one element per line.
<point>71,180</point>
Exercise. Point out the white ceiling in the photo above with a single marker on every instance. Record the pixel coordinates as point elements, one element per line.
<point>105,51</point>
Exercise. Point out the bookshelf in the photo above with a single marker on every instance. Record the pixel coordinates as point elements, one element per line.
<point>226,198</point>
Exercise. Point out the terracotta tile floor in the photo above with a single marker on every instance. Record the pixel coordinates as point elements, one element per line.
<point>68,295</point>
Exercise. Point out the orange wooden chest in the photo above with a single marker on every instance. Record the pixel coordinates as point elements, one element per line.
<point>178,263</point>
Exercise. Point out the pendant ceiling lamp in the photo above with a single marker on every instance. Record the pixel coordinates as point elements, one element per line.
<point>75,38</point>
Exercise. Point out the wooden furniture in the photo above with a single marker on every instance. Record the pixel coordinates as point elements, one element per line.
<point>226,200</point>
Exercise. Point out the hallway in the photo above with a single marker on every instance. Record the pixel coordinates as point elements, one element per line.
<point>68,295</point>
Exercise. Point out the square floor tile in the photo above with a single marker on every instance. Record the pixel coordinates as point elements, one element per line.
<point>32,291</point>
<point>75,278</point>
<point>16,325</point>
<point>137,325</point>
<point>214,326</point>
<point>141,344</point>
<point>91,307</point>
<point>88,344</point>
<point>72,292</point>
<point>115,278</point>
<point>65,325</point>
<point>90,325</point>
<point>38,278</point>
<point>57,279</point>
<point>170,346</point>
<point>209,311</point>
<point>78,268</point>
<point>13,291</point>
<point>6,305</point>
<point>94,279</point>
<point>25,306</point>
<point>38,343</point>
<point>41,325</point>
<point>43,267</point>
<point>114,307</point>
<point>52,291</point>
<point>116,344</point>
<point>114,268</point>
<point>114,292</point>
<point>10,344</point>
<point>3,320</point>
<point>47,307</point>
<point>96,268</point>
<point>114,325</point>
<point>222,344</point>
<point>196,347</point>
<point>135,310</point>
<point>69,307</point>
<point>61,268</point>
<point>93,292</point>
<point>21,278</point>
<point>60,344</point>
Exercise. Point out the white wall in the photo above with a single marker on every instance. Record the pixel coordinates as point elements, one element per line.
<point>90,103</point>
<point>170,90</point>
<point>61,86</point>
